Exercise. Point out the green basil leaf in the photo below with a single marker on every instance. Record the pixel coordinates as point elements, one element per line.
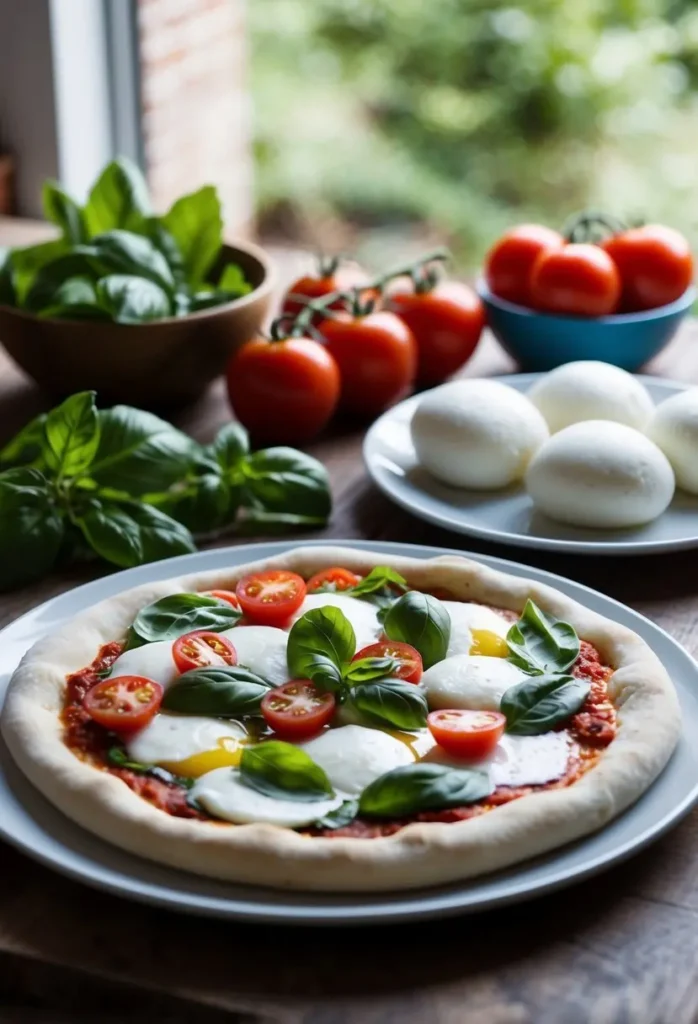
<point>61,209</point>
<point>392,702</point>
<point>205,504</point>
<point>139,453</point>
<point>540,703</point>
<point>133,300</point>
<point>195,222</point>
<point>365,670</point>
<point>177,614</point>
<point>319,644</point>
<point>422,621</point>
<point>423,786</point>
<point>223,692</point>
<point>119,758</point>
<point>28,446</point>
<point>343,815</point>
<point>289,484</point>
<point>72,434</point>
<point>75,299</point>
<point>232,282</point>
<point>163,240</point>
<point>118,199</point>
<point>8,296</point>
<point>31,529</point>
<point>285,772</point>
<point>123,252</point>
<point>26,264</point>
<point>378,579</point>
<point>231,446</point>
<point>47,289</point>
<point>129,533</point>
<point>539,642</point>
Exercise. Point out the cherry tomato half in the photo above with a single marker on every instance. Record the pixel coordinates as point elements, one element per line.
<point>509,262</point>
<point>201,648</point>
<point>283,391</point>
<point>580,279</point>
<point>297,709</point>
<point>224,595</point>
<point>123,704</point>
<point>655,265</point>
<point>410,660</point>
<point>472,735</point>
<point>332,579</point>
<point>377,359</point>
<point>446,323</point>
<point>270,598</point>
<point>331,278</point>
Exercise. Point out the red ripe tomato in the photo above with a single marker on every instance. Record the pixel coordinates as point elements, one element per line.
<point>410,660</point>
<point>297,709</point>
<point>655,264</point>
<point>377,359</point>
<point>472,735</point>
<point>580,279</point>
<point>270,598</point>
<point>509,262</point>
<point>332,579</point>
<point>446,323</point>
<point>224,595</point>
<point>123,704</point>
<point>283,391</point>
<point>201,648</point>
<point>331,277</point>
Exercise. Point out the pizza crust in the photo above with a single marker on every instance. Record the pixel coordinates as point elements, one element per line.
<point>420,854</point>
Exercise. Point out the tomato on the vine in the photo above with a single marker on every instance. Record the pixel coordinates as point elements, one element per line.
<point>125,703</point>
<point>202,648</point>
<point>580,279</point>
<point>337,579</point>
<point>472,735</point>
<point>270,598</point>
<point>332,276</point>
<point>655,265</point>
<point>297,709</point>
<point>446,322</point>
<point>509,262</point>
<point>283,391</point>
<point>377,359</point>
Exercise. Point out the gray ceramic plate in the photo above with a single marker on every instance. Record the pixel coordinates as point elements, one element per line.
<point>508,516</point>
<point>30,823</point>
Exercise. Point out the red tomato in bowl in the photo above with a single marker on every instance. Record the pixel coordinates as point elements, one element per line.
<point>297,709</point>
<point>333,277</point>
<point>446,323</point>
<point>655,265</point>
<point>509,262</point>
<point>580,279</point>
<point>270,598</point>
<point>283,391</point>
<point>201,648</point>
<point>472,735</point>
<point>124,704</point>
<point>377,359</point>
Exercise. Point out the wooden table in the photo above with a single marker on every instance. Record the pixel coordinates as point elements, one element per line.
<point>622,947</point>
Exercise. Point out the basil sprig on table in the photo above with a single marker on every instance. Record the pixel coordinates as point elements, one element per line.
<point>284,771</point>
<point>128,486</point>
<point>116,260</point>
<point>423,786</point>
<point>422,621</point>
<point>232,691</point>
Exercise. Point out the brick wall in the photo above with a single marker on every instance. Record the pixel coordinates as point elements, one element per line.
<point>195,102</point>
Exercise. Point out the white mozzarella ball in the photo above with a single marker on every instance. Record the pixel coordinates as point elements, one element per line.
<point>470,681</point>
<point>363,615</point>
<point>177,737</point>
<point>465,617</point>
<point>674,428</point>
<point>591,390</point>
<point>261,649</point>
<point>154,661</point>
<point>224,795</point>
<point>520,760</point>
<point>353,756</point>
<point>600,474</point>
<point>476,433</point>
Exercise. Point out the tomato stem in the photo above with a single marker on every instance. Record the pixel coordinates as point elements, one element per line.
<point>591,226</point>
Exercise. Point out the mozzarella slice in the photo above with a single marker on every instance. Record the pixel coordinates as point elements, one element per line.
<point>470,681</point>
<point>154,661</point>
<point>353,756</point>
<point>223,794</point>
<point>362,615</point>
<point>519,760</point>
<point>261,649</point>
<point>465,617</point>
<point>171,738</point>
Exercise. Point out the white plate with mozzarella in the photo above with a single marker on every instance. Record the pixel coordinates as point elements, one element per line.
<point>507,514</point>
<point>30,823</point>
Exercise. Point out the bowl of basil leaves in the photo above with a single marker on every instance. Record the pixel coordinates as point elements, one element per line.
<point>144,309</point>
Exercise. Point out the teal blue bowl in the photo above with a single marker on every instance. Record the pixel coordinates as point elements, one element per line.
<point>541,341</point>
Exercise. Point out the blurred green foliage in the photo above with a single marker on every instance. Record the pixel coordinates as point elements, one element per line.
<point>456,118</point>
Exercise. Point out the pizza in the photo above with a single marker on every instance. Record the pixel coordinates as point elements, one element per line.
<point>337,720</point>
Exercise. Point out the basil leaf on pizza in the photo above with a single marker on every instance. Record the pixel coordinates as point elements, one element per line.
<point>539,643</point>
<point>422,621</point>
<point>378,578</point>
<point>285,772</point>
<point>392,702</point>
<point>220,692</point>
<point>365,670</point>
<point>423,786</point>
<point>319,644</point>
<point>343,815</point>
<point>538,704</point>
<point>177,614</point>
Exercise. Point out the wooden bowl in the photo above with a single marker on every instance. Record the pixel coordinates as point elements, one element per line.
<point>154,365</point>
